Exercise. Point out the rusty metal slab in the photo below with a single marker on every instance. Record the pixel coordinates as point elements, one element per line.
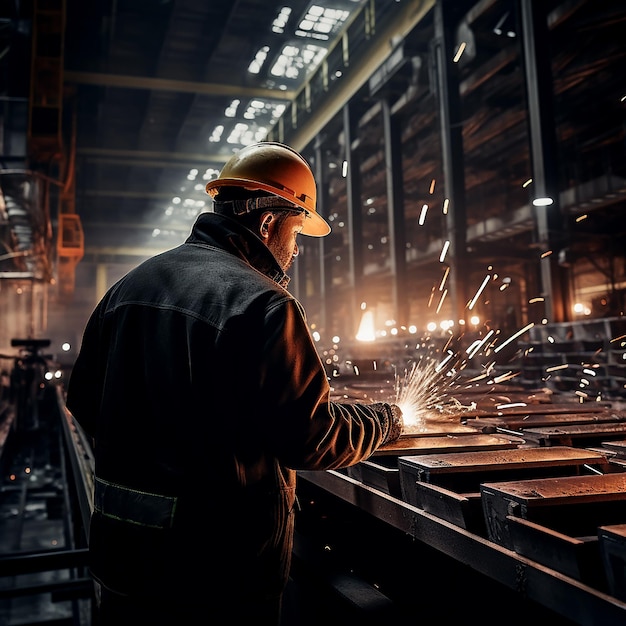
<point>575,434</point>
<point>515,460</point>
<point>544,409</point>
<point>436,428</point>
<point>449,485</point>
<point>448,443</point>
<point>572,505</point>
<point>519,422</point>
<point>617,447</point>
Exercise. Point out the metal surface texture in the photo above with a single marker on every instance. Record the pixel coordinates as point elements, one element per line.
<point>565,595</point>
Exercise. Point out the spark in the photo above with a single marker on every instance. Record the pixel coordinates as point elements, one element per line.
<point>432,187</point>
<point>443,297</point>
<point>446,204</point>
<point>443,363</point>
<point>533,300</point>
<point>477,345</point>
<point>514,336</point>
<point>504,377</point>
<point>423,392</point>
<point>444,250</point>
<point>422,218</point>
<point>557,367</point>
<point>459,52</point>
<point>444,278</point>
<point>510,405</point>
<point>480,290</point>
<point>430,299</point>
<point>479,377</point>
<point>546,253</point>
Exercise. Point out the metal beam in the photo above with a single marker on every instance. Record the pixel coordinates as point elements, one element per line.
<point>165,84</point>
<point>123,193</point>
<point>166,157</point>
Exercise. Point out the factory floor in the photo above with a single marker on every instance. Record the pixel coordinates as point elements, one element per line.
<point>34,503</point>
<point>33,521</point>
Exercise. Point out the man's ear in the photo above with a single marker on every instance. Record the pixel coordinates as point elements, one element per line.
<point>266,219</point>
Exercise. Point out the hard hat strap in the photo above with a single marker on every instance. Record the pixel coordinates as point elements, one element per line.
<point>241,207</point>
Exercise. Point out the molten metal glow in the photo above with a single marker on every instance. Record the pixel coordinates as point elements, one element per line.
<point>366,330</point>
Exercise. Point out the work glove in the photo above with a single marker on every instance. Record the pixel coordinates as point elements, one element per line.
<point>393,420</point>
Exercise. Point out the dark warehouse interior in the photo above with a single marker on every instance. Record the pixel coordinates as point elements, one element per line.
<point>470,157</point>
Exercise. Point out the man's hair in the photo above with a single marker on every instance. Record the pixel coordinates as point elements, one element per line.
<point>223,205</point>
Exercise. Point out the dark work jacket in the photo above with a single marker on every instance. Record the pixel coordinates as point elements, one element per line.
<point>200,384</point>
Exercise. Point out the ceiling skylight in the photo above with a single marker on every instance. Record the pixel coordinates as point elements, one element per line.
<point>320,23</point>
<point>278,26</point>
<point>296,60</point>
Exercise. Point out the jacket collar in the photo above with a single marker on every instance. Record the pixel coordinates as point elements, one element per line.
<point>229,235</point>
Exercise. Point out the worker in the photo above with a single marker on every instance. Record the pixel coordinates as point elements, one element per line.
<point>201,387</point>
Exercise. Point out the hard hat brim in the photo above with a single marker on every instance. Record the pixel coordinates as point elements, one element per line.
<point>315,225</point>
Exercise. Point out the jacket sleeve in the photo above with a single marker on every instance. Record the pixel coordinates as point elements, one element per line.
<point>305,429</point>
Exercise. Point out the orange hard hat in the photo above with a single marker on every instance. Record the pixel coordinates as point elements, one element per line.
<point>278,169</point>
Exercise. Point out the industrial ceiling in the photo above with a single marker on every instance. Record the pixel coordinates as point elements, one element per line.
<point>156,95</point>
<point>166,91</point>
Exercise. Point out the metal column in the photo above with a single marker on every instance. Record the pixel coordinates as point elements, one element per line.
<point>395,214</point>
<point>355,216</point>
<point>551,224</point>
<point>452,156</point>
<point>321,177</point>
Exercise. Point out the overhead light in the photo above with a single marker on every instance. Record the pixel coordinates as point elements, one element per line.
<point>543,201</point>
